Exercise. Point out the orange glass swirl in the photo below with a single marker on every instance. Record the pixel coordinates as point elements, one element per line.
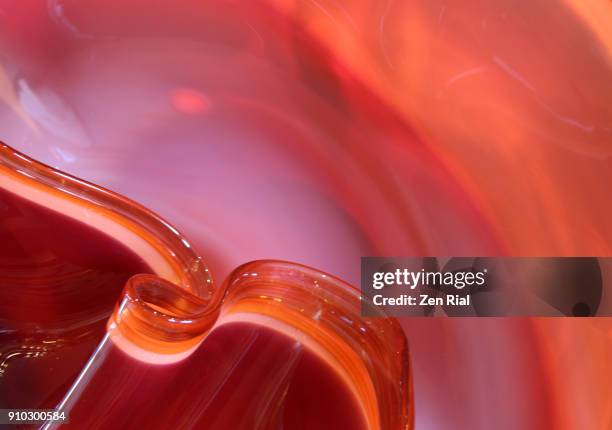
<point>277,345</point>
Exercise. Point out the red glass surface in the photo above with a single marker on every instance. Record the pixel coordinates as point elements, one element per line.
<point>244,376</point>
<point>321,131</point>
<point>59,280</point>
<point>278,345</point>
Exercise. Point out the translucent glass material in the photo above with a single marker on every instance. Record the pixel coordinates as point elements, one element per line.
<point>277,345</point>
<point>320,131</point>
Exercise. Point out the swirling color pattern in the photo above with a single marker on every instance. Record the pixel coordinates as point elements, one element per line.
<point>319,131</point>
<point>277,345</point>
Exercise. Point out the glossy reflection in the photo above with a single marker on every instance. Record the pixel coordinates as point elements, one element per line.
<point>287,350</point>
<point>238,379</point>
<point>58,282</point>
<point>277,345</point>
<point>321,131</point>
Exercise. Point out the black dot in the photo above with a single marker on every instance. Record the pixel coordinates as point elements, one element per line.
<point>581,309</point>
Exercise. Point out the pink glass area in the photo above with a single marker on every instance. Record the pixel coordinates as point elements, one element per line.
<point>320,131</point>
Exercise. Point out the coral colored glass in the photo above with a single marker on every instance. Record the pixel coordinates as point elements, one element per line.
<point>277,345</point>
